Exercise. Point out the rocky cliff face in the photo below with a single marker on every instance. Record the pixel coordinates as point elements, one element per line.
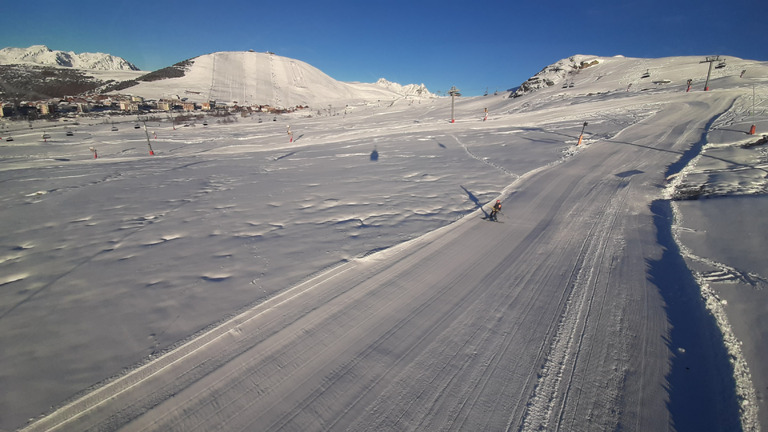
<point>555,74</point>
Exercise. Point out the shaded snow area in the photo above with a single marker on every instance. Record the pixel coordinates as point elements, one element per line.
<point>347,279</point>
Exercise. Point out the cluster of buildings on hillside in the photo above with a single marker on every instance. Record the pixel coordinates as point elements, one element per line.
<point>73,106</point>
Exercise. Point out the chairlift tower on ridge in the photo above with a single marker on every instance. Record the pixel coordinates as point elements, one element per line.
<point>710,60</point>
<point>453,92</point>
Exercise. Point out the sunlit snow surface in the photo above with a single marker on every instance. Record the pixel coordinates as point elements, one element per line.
<point>108,262</point>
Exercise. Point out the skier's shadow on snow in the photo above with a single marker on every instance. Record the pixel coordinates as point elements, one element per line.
<point>474,199</point>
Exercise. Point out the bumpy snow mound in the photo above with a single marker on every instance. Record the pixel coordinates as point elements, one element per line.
<point>41,55</point>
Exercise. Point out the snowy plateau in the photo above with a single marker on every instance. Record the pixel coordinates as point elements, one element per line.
<point>342,276</point>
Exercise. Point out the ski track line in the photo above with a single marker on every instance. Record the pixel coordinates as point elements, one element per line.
<point>508,342</point>
<point>481,378</point>
<point>526,280</point>
<point>239,370</point>
<point>444,388</point>
<point>432,380</point>
<point>213,76</point>
<point>528,390</point>
<point>605,240</point>
<point>249,367</point>
<point>483,160</point>
<point>485,374</point>
<point>436,327</point>
<point>542,404</point>
<point>440,392</point>
<point>273,77</point>
<point>418,247</point>
<point>285,379</point>
<point>423,389</point>
<point>141,374</point>
<point>551,334</point>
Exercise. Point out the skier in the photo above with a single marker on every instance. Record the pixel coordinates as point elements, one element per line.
<point>495,209</point>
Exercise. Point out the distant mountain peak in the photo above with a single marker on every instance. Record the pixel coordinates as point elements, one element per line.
<point>41,55</point>
<point>406,90</point>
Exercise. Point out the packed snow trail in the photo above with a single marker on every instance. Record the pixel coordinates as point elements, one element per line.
<point>547,322</point>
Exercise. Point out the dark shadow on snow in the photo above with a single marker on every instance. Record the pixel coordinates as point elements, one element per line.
<point>643,146</point>
<point>474,199</point>
<point>688,155</point>
<point>700,383</point>
<point>692,152</point>
<point>549,132</point>
<point>746,132</point>
<point>285,155</point>
<point>629,173</point>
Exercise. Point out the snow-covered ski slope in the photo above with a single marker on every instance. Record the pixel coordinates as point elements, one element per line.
<point>257,78</point>
<point>346,280</point>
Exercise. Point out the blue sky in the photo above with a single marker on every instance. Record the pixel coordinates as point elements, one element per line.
<point>474,45</point>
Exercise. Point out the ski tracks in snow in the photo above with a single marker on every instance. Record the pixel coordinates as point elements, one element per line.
<point>482,159</point>
<point>555,389</point>
<point>275,85</point>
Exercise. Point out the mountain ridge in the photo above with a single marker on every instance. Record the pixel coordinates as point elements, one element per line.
<point>574,74</point>
<point>41,55</point>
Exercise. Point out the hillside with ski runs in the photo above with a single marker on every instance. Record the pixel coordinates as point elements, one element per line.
<point>264,78</point>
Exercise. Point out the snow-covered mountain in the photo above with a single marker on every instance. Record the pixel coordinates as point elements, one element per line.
<point>41,55</point>
<point>247,77</point>
<point>407,90</point>
<point>252,78</point>
<point>591,73</point>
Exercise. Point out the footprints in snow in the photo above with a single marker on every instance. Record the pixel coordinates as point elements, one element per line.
<point>726,275</point>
